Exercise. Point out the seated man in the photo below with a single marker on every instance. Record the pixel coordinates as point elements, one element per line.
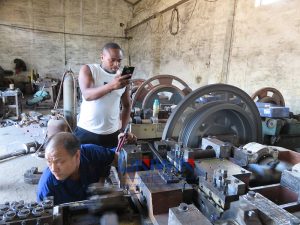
<point>71,168</point>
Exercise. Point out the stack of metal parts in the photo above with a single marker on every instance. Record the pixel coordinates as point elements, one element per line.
<point>106,206</point>
<point>27,213</point>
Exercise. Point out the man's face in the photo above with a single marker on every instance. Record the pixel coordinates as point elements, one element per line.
<point>111,59</point>
<point>61,163</point>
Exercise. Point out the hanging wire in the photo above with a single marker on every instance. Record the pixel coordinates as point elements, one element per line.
<point>159,24</point>
<point>185,21</point>
<point>149,7</point>
<point>174,12</point>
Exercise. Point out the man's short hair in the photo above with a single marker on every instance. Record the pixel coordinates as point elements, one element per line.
<point>111,45</point>
<point>64,139</point>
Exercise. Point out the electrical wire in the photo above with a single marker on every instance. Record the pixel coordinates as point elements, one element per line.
<point>59,32</point>
<point>156,31</point>
<point>174,12</point>
<point>139,10</point>
<point>189,18</point>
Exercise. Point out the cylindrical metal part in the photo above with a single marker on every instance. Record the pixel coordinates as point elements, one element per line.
<point>69,99</point>
<point>156,153</point>
<point>55,125</point>
<point>13,154</point>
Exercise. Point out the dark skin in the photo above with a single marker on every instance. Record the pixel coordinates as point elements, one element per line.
<point>110,61</point>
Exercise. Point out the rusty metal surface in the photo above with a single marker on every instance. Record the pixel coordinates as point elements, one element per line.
<point>157,195</point>
<point>269,95</point>
<point>277,193</point>
<point>288,156</point>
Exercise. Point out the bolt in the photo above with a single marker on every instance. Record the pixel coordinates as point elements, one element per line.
<point>294,221</point>
<point>137,188</point>
<point>183,207</point>
<point>250,213</point>
<point>251,194</point>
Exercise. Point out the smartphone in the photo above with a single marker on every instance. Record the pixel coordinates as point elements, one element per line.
<point>127,70</point>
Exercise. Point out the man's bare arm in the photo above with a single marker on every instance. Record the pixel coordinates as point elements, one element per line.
<point>126,107</point>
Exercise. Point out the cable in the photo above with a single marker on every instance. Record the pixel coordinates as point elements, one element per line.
<point>59,32</point>
<point>158,25</point>
<point>174,11</point>
<point>43,142</point>
<point>139,10</point>
<point>67,123</point>
<point>189,18</point>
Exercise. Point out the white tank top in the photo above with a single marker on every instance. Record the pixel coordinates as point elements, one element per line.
<point>101,116</point>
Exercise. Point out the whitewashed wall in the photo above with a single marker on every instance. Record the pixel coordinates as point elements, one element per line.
<point>54,35</point>
<point>247,43</point>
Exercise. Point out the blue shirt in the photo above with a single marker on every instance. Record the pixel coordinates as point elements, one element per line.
<point>95,162</point>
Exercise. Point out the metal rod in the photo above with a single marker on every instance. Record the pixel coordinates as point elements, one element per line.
<point>59,32</point>
<point>156,153</point>
<point>155,15</point>
<point>13,154</point>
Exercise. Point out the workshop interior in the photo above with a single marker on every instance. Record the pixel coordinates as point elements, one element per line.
<point>215,108</point>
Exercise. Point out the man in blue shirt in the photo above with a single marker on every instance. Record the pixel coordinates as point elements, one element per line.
<point>71,168</point>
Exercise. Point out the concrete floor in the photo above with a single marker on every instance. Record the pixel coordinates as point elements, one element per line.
<point>12,185</point>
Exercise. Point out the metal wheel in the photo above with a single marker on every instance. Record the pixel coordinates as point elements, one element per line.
<point>214,110</point>
<point>135,84</point>
<point>218,119</point>
<point>268,95</point>
<point>151,88</point>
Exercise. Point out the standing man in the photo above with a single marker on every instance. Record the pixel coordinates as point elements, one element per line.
<point>102,88</point>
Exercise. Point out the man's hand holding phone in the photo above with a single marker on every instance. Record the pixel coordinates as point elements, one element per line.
<point>127,71</point>
<point>123,78</point>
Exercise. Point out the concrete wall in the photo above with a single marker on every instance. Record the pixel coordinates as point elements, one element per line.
<point>247,43</point>
<point>53,35</point>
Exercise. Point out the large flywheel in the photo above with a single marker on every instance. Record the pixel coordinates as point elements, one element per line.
<point>268,95</point>
<point>153,87</point>
<point>218,110</point>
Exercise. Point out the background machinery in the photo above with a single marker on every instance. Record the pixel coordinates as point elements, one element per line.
<point>211,166</point>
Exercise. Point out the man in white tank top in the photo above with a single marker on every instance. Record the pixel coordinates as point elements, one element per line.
<point>103,88</point>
